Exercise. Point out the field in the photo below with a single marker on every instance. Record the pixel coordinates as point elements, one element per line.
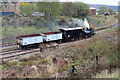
<point>106,20</point>
<point>58,61</point>
<point>11,32</point>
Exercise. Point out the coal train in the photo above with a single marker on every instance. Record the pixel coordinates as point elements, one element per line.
<point>64,35</point>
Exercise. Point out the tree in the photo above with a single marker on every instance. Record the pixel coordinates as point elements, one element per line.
<point>67,9</point>
<point>51,9</point>
<point>102,10</point>
<point>27,9</point>
<point>5,2</point>
<point>81,9</point>
<point>1,6</point>
<point>15,3</point>
<point>110,10</point>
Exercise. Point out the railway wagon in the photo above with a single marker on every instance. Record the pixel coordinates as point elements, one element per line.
<point>31,40</point>
<point>52,36</point>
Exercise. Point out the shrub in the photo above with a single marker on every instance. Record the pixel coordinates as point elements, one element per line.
<point>105,17</point>
<point>10,64</point>
<point>98,22</point>
<point>2,67</point>
<point>30,63</point>
<point>43,61</point>
<point>103,21</point>
<point>112,56</point>
<point>24,60</point>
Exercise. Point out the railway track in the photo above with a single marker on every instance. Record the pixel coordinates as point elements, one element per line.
<point>7,44</point>
<point>15,55</point>
<point>8,55</point>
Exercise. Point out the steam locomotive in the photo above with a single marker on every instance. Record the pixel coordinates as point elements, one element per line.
<point>64,34</point>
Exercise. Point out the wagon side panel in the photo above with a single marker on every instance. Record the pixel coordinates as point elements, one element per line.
<point>26,41</point>
<point>32,40</point>
<point>39,39</point>
<point>53,37</point>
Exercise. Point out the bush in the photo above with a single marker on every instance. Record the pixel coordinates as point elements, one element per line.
<point>30,63</point>
<point>98,22</point>
<point>105,17</point>
<point>10,64</point>
<point>43,61</point>
<point>2,67</point>
<point>112,56</point>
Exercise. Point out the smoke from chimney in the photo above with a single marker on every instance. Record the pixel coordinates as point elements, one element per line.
<point>86,24</point>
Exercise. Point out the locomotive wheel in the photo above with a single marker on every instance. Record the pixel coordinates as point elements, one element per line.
<point>41,49</point>
<point>86,36</point>
<point>26,47</point>
<point>37,45</point>
<point>21,47</point>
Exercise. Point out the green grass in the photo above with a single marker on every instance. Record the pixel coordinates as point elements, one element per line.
<point>111,29</point>
<point>106,20</point>
<point>98,15</point>
<point>11,31</point>
<point>1,67</point>
<point>105,74</point>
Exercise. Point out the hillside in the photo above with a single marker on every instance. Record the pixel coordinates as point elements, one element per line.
<point>57,62</point>
<point>108,6</point>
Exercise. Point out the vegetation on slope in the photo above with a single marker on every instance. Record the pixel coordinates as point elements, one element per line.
<point>106,20</point>
<point>58,61</point>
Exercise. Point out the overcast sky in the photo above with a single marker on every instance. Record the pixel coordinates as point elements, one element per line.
<point>105,2</point>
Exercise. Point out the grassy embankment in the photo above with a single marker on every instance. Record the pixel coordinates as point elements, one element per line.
<point>106,20</point>
<point>11,32</point>
<point>83,53</point>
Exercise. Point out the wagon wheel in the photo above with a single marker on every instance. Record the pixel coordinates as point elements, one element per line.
<point>86,36</point>
<point>41,49</point>
<point>59,41</point>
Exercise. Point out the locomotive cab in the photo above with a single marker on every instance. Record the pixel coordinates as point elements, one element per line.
<point>71,33</point>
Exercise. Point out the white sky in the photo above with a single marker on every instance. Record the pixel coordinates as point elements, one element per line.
<point>105,2</point>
